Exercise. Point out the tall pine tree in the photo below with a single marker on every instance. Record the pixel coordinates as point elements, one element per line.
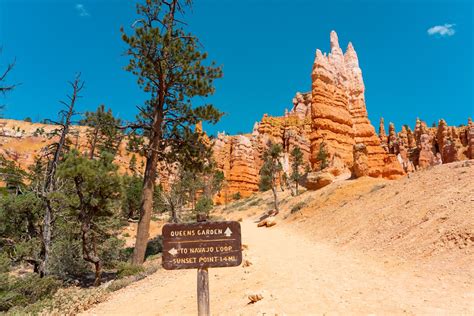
<point>172,70</point>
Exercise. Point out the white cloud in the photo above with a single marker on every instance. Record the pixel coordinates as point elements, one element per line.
<point>81,10</point>
<point>442,30</point>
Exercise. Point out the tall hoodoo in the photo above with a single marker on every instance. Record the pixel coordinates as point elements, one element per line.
<point>382,133</point>
<point>339,113</point>
<point>330,115</point>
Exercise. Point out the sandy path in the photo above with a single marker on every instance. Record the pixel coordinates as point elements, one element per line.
<point>297,277</point>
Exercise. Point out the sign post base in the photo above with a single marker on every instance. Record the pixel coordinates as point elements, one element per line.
<point>203,292</point>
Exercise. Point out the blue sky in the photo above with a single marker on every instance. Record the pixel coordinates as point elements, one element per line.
<point>266,49</point>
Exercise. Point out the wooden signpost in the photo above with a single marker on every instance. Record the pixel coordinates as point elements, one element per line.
<point>202,245</point>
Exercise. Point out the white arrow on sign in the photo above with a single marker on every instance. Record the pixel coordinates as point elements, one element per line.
<point>228,232</point>
<point>173,251</point>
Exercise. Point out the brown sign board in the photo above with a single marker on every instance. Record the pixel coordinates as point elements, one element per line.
<point>201,245</point>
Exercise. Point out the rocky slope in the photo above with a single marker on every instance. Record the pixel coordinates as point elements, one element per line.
<point>364,246</point>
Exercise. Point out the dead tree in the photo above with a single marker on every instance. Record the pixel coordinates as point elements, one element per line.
<point>50,181</point>
<point>4,87</point>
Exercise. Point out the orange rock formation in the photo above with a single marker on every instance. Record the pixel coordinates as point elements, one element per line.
<point>429,146</point>
<point>339,114</point>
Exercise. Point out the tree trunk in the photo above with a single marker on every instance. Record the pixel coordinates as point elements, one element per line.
<point>98,263</point>
<point>94,142</point>
<point>296,187</point>
<point>275,198</point>
<point>282,182</point>
<point>145,210</point>
<point>90,255</point>
<point>46,240</point>
<point>174,215</point>
<point>146,206</point>
<point>98,273</point>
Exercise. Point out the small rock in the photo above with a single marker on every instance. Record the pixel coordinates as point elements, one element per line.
<point>318,180</point>
<point>268,222</point>
<point>255,297</point>
<point>271,221</point>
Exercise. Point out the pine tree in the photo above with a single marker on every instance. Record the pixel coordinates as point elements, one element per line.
<point>322,156</point>
<point>132,166</point>
<point>297,157</point>
<point>271,168</point>
<point>132,189</point>
<point>12,175</point>
<point>20,228</point>
<point>96,189</point>
<point>171,69</point>
<point>103,134</point>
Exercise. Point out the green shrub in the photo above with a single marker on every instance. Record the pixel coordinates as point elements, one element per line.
<point>237,196</point>
<point>126,269</point>
<point>297,207</point>
<point>322,156</point>
<point>265,183</point>
<point>111,251</point>
<point>119,284</point>
<point>126,253</point>
<point>4,263</point>
<point>25,290</point>
<point>377,187</point>
<point>154,246</point>
<point>129,274</point>
<point>66,301</point>
<point>255,202</point>
<point>66,257</point>
<point>204,205</point>
<point>238,204</point>
<point>38,132</point>
<point>152,268</point>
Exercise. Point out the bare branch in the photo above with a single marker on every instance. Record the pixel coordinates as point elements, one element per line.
<point>7,88</point>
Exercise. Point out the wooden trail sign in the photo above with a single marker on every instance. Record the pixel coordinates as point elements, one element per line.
<point>201,245</point>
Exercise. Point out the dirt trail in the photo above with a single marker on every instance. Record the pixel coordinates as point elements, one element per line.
<point>297,276</point>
